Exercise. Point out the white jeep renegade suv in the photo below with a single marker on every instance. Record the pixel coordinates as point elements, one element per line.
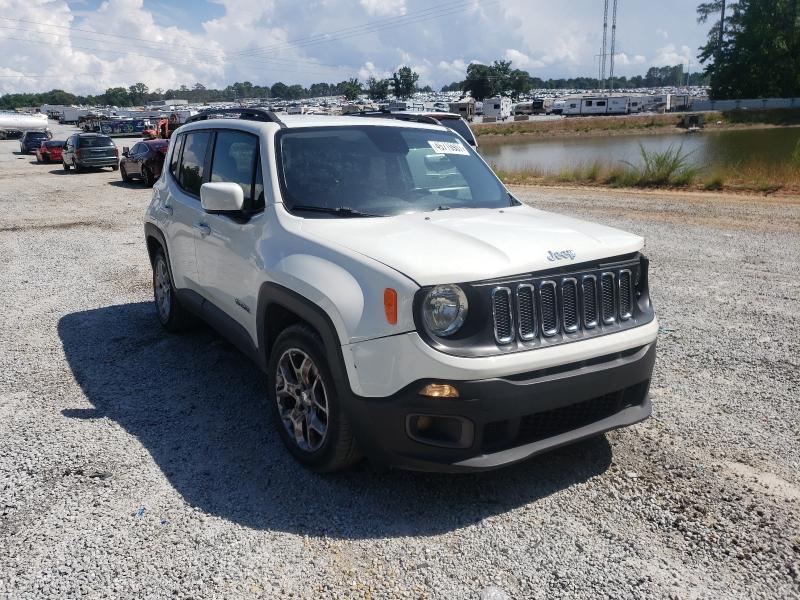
<point>402,303</point>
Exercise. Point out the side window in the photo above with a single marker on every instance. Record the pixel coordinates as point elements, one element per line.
<point>193,159</point>
<point>234,160</point>
<point>258,187</point>
<point>176,155</point>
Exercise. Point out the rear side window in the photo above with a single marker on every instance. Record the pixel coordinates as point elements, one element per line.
<point>190,177</point>
<point>235,156</point>
<point>176,155</point>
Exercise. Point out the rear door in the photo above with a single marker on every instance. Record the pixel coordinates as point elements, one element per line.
<point>181,211</point>
<point>227,257</point>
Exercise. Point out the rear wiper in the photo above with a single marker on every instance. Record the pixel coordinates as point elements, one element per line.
<point>344,211</point>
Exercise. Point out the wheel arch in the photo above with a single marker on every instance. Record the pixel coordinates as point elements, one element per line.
<point>279,307</point>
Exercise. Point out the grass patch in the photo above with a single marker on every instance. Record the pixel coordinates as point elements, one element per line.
<point>666,168</point>
<point>670,168</point>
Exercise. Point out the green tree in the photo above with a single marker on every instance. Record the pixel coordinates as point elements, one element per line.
<point>519,83</point>
<point>404,82</point>
<point>279,89</point>
<point>479,81</point>
<point>378,89</point>
<point>117,96</point>
<point>755,51</point>
<point>351,89</point>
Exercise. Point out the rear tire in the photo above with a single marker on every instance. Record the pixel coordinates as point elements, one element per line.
<point>305,405</point>
<point>114,167</point>
<point>66,167</point>
<point>147,177</point>
<point>77,167</point>
<point>170,312</point>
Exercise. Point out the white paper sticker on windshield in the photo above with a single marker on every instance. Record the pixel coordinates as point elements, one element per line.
<point>448,148</point>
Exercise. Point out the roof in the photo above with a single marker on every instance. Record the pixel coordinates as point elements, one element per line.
<point>297,121</point>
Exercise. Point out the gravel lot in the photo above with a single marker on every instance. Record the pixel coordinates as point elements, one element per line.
<point>138,464</point>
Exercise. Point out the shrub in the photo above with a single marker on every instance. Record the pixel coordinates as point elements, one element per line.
<point>668,167</point>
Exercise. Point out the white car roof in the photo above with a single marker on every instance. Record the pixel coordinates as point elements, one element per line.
<point>296,121</point>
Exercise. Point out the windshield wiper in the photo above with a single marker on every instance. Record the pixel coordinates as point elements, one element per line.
<point>344,211</point>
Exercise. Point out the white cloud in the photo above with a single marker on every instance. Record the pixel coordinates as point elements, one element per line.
<point>384,7</point>
<point>672,55</point>
<point>281,40</point>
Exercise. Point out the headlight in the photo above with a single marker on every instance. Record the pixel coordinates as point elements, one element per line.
<point>444,309</point>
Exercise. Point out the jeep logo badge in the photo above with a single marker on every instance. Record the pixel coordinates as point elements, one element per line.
<point>561,255</point>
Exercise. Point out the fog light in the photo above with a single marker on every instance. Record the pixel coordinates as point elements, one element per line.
<point>439,390</point>
<point>446,431</point>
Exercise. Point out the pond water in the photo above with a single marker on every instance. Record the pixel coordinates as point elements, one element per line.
<point>707,149</point>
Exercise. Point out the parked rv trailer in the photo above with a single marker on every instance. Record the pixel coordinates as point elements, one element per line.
<point>72,115</point>
<point>498,107</point>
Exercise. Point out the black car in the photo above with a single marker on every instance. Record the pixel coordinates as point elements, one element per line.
<point>31,140</point>
<point>84,150</point>
<point>144,161</point>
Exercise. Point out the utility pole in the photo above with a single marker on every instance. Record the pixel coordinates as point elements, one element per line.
<point>613,40</point>
<point>603,52</point>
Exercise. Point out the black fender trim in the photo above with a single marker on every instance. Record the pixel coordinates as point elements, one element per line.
<point>273,293</point>
<point>151,231</point>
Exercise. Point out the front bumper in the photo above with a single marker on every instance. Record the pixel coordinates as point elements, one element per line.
<point>507,419</point>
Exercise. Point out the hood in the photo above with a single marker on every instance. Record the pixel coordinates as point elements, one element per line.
<point>462,245</point>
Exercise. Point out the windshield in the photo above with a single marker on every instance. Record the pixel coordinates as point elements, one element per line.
<point>458,125</point>
<point>383,171</point>
<point>95,142</point>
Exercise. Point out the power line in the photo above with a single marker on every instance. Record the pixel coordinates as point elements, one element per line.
<point>431,14</point>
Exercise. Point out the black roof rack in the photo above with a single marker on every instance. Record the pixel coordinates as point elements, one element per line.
<point>249,114</point>
<point>385,114</point>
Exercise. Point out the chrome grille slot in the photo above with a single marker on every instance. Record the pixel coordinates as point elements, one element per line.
<point>625,295</point>
<point>526,311</point>
<point>503,317</point>
<point>569,304</point>
<point>549,308</point>
<point>609,310</point>
<point>589,297</point>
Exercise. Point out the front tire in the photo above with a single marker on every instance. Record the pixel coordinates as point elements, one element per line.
<point>171,313</point>
<point>304,403</point>
<point>125,177</point>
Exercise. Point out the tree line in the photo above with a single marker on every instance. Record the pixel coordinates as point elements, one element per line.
<point>484,81</point>
<point>481,81</point>
<point>402,84</point>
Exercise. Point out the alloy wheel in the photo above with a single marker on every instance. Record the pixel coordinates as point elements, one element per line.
<point>162,289</point>
<point>302,399</point>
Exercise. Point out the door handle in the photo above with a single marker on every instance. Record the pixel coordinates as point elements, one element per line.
<point>203,228</point>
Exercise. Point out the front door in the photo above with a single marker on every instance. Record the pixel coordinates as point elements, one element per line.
<point>182,206</point>
<point>226,250</point>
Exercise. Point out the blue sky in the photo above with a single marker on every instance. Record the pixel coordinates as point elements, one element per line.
<point>86,45</point>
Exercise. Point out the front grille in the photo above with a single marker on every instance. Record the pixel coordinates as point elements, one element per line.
<point>540,426</point>
<point>526,309</point>
<point>625,294</point>
<point>569,303</point>
<point>553,307</point>
<point>589,291</point>
<point>549,308</point>
<point>503,319</point>
<point>609,309</point>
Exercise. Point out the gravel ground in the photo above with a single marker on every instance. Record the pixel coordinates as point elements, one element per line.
<point>137,464</point>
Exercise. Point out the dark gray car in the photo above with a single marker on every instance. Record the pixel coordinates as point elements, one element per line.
<point>86,150</point>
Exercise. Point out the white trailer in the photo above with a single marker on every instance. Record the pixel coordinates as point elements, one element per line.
<point>618,105</point>
<point>12,121</point>
<point>71,114</point>
<point>498,107</point>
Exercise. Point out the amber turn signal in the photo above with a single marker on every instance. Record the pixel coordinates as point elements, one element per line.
<point>390,305</point>
<point>439,390</point>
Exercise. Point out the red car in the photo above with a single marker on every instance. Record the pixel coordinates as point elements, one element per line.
<point>49,151</point>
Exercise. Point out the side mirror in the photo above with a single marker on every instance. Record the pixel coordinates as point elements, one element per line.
<point>222,196</point>
<point>125,151</point>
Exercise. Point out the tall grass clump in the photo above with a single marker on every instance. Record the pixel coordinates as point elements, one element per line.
<point>796,155</point>
<point>670,167</point>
